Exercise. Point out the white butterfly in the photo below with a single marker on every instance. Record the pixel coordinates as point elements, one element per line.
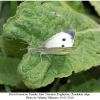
<point>59,44</point>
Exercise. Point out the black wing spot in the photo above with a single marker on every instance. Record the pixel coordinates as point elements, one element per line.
<point>63,46</point>
<point>63,39</point>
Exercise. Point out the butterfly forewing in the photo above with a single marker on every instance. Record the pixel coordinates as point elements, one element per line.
<point>62,39</point>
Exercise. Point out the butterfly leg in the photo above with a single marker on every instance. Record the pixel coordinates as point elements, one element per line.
<point>41,58</point>
<point>48,57</point>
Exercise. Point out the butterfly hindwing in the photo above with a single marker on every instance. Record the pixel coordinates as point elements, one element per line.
<point>57,50</point>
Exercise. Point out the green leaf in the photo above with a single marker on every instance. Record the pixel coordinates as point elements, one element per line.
<point>81,82</point>
<point>96,5</point>
<point>35,23</point>
<point>0,6</point>
<point>4,7</point>
<point>14,5</point>
<point>11,47</point>
<point>8,72</point>
<point>73,5</point>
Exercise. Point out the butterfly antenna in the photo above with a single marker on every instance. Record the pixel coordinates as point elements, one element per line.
<point>41,58</point>
<point>24,42</point>
<point>28,48</point>
<point>25,48</point>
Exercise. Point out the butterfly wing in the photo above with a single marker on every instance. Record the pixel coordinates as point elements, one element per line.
<point>56,50</point>
<point>62,39</point>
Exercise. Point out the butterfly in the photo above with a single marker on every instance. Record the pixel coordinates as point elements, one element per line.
<point>59,44</point>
